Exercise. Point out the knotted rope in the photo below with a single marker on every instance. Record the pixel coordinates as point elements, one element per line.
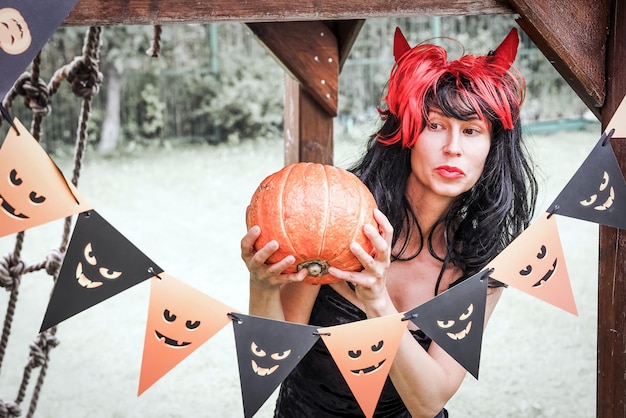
<point>155,46</point>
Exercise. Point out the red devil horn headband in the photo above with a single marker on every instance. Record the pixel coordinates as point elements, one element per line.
<point>501,58</point>
<point>400,45</point>
<point>505,53</point>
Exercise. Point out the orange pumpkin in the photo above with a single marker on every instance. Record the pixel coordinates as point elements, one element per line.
<point>314,211</point>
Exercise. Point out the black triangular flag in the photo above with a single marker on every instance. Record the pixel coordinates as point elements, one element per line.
<point>597,191</point>
<point>267,351</point>
<point>99,263</point>
<point>25,27</point>
<point>455,320</point>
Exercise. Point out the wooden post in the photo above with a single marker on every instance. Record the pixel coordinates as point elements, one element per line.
<point>308,128</point>
<point>611,394</point>
<point>312,53</point>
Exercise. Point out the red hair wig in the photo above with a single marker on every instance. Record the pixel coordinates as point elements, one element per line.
<point>487,86</point>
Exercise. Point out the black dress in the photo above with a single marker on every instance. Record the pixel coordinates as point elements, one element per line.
<point>316,388</point>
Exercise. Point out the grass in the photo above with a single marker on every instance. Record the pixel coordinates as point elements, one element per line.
<point>184,207</point>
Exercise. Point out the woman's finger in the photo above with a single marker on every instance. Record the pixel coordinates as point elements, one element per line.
<point>385,227</point>
<point>248,240</point>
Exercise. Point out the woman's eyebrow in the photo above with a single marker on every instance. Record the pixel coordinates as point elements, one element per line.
<point>472,117</point>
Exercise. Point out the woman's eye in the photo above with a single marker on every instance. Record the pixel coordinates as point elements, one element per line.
<point>471,131</point>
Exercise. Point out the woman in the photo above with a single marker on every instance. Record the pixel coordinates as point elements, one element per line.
<point>453,186</point>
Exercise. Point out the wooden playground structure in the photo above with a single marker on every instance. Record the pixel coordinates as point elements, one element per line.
<point>312,39</point>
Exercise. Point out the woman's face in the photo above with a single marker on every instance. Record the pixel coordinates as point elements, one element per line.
<point>449,156</point>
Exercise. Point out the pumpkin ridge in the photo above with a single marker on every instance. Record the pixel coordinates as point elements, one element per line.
<point>326,212</point>
<point>361,221</point>
<point>286,237</point>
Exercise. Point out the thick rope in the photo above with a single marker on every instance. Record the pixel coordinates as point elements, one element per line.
<point>155,45</point>
<point>9,409</point>
<point>85,80</point>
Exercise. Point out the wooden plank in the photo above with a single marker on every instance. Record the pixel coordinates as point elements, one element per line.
<point>611,394</point>
<point>572,35</point>
<point>291,111</point>
<point>309,51</point>
<point>150,12</point>
<point>308,127</point>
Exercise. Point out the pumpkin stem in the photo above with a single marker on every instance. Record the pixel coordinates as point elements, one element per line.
<point>317,268</point>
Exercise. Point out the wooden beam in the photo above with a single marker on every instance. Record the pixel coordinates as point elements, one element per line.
<point>309,52</point>
<point>346,32</point>
<point>611,394</point>
<point>151,12</point>
<point>308,128</point>
<point>572,35</point>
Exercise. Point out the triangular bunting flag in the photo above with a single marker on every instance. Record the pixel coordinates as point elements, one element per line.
<point>25,27</point>
<point>99,263</point>
<point>364,351</point>
<point>534,263</point>
<point>455,320</point>
<point>267,351</point>
<point>180,319</point>
<point>33,191</point>
<point>597,191</point>
<point>618,121</point>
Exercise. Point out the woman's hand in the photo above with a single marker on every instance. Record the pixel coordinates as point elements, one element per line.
<point>371,281</point>
<point>262,275</point>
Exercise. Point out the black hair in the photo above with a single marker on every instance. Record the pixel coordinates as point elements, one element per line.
<point>481,222</point>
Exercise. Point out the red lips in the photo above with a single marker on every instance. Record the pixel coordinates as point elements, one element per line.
<point>449,172</point>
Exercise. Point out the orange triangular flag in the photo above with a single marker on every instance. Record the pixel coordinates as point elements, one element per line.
<point>618,121</point>
<point>180,319</point>
<point>534,263</point>
<point>363,352</point>
<point>33,190</point>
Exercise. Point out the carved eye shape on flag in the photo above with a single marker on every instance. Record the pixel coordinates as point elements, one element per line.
<point>88,280</point>
<point>28,199</point>
<point>176,332</point>
<point>544,274</point>
<point>610,195</point>
<point>264,364</point>
<point>15,36</point>
<point>458,331</point>
<point>369,360</point>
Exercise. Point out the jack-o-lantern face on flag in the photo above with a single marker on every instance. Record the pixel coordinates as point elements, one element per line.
<point>597,191</point>
<point>25,26</point>
<point>534,263</point>
<point>33,190</point>
<point>267,351</point>
<point>99,263</point>
<point>455,320</point>
<point>364,351</point>
<point>180,319</point>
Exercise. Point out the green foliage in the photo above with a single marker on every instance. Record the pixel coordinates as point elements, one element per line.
<point>241,99</point>
<point>216,83</point>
